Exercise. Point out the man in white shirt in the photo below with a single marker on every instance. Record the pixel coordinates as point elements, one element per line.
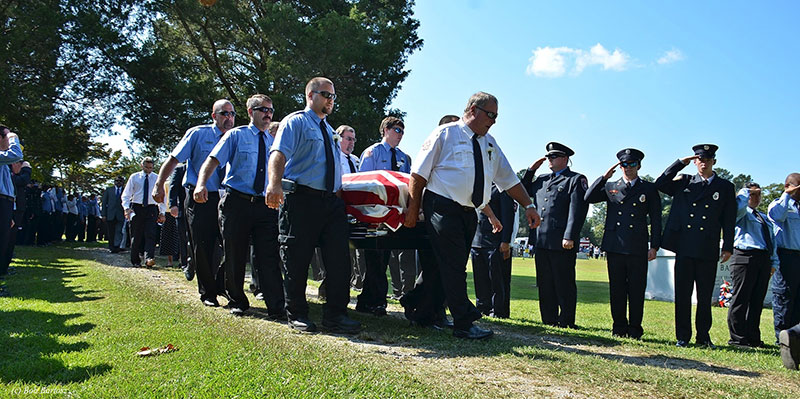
<point>446,167</point>
<point>143,212</point>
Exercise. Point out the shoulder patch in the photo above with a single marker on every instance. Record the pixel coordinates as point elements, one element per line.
<point>584,183</point>
<point>367,152</point>
<point>428,144</point>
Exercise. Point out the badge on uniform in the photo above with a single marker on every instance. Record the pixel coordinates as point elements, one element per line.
<point>613,192</point>
<point>427,144</point>
<point>585,183</point>
<point>715,196</point>
<point>490,150</point>
<point>642,198</point>
<point>400,163</point>
<point>686,190</point>
<point>560,188</point>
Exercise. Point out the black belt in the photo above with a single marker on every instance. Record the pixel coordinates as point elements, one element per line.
<point>794,251</point>
<point>134,204</point>
<point>251,198</point>
<point>8,197</point>
<point>191,188</point>
<point>452,202</point>
<point>300,189</point>
<point>752,251</point>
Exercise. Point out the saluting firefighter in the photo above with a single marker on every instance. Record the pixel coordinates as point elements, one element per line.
<point>559,198</point>
<point>627,242</point>
<point>703,205</point>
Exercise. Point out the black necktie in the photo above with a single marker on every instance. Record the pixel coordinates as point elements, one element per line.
<point>394,159</point>
<point>119,192</point>
<point>477,186</point>
<point>329,167</point>
<point>765,231</point>
<point>627,186</point>
<point>261,166</point>
<point>352,166</point>
<point>146,190</point>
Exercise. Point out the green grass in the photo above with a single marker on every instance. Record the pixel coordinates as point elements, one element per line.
<point>74,325</point>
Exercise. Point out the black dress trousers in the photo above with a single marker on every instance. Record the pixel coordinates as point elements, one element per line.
<point>558,293</point>
<point>242,220</point>
<point>451,228</point>
<point>310,218</point>
<point>205,239</point>
<point>144,232</point>
<point>688,273</point>
<point>750,275</point>
<point>627,281</point>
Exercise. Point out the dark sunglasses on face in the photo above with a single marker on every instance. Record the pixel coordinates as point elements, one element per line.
<point>264,109</point>
<point>398,130</point>
<point>553,156</point>
<point>326,94</point>
<point>491,115</point>
<point>631,164</point>
<point>226,113</point>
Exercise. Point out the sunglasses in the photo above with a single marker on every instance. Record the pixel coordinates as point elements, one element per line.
<point>554,156</point>
<point>264,109</point>
<point>491,115</point>
<point>326,94</point>
<point>631,164</point>
<point>226,113</point>
<point>398,130</point>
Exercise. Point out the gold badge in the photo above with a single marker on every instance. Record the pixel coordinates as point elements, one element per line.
<point>715,196</point>
<point>705,147</point>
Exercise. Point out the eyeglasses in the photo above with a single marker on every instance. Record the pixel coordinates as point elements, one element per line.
<point>631,164</point>
<point>491,115</point>
<point>353,139</point>
<point>264,109</point>
<point>226,113</point>
<point>554,156</point>
<point>398,130</point>
<point>326,94</point>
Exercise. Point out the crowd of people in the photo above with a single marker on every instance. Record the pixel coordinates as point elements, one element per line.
<point>269,194</point>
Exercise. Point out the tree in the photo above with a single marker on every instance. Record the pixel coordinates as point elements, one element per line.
<point>193,55</point>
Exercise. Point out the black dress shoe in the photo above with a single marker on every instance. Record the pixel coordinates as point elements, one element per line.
<point>302,324</point>
<point>706,344</point>
<point>188,272</point>
<point>681,344</point>
<point>474,332</point>
<point>341,324</point>
<point>441,324</point>
<point>278,316</point>
<point>790,349</point>
<point>378,310</point>
<point>211,303</point>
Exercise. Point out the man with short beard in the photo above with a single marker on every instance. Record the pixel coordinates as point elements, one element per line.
<point>204,234</point>
<point>243,213</point>
<point>305,153</point>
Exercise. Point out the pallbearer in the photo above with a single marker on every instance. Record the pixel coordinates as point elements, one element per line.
<point>626,240</point>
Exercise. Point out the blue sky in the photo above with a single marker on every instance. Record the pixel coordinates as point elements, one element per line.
<point>602,76</point>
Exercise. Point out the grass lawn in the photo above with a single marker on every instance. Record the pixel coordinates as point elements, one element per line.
<point>77,317</point>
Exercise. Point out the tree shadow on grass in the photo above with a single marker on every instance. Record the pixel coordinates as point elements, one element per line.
<point>32,347</point>
<point>36,279</point>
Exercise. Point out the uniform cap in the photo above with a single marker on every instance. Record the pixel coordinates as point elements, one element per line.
<point>708,151</point>
<point>558,149</point>
<point>630,154</point>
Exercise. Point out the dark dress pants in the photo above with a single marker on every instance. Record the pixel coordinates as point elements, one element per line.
<point>785,286</point>
<point>114,229</point>
<point>6,214</point>
<point>555,279</point>
<point>492,276</point>
<point>375,285</point>
<point>403,270</point>
<point>480,276</point>
<point>242,220</point>
<point>71,227</point>
<point>691,272</point>
<point>205,240</point>
<point>144,232</point>
<point>750,275</point>
<point>310,219</point>
<point>451,228</point>
<point>627,281</point>
<point>91,228</point>
<point>183,240</point>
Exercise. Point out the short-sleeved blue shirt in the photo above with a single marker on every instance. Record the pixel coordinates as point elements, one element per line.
<point>379,157</point>
<point>300,140</point>
<point>238,149</point>
<point>194,148</point>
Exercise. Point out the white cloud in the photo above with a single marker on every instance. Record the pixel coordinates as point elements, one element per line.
<point>553,62</point>
<point>671,56</point>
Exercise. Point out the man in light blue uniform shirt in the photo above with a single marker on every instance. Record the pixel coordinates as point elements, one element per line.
<point>204,234</point>
<point>243,213</point>
<point>784,212</point>
<point>10,152</point>
<point>386,156</point>
<point>314,213</point>
<point>753,257</point>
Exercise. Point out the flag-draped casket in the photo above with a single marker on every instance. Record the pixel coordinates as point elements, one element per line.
<point>376,197</point>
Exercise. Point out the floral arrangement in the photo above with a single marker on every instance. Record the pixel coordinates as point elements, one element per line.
<point>725,294</point>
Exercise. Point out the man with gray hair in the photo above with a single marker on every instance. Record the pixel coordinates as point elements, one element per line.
<point>456,166</point>
<point>313,214</point>
<point>204,236</point>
